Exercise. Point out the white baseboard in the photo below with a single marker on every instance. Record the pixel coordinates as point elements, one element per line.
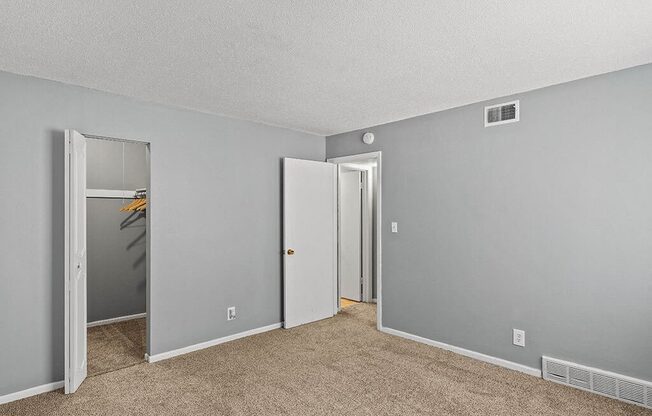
<point>30,392</point>
<point>118,319</point>
<point>467,353</point>
<point>207,344</point>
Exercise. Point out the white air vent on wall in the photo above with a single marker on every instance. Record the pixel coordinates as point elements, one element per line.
<point>605,383</point>
<point>501,113</point>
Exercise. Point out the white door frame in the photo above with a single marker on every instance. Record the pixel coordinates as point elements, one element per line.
<point>363,157</point>
<point>66,262</point>
<point>68,301</point>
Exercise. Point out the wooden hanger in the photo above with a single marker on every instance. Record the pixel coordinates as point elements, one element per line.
<point>129,206</point>
<point>143,206</point>
<point>134,205</point>
<point>138,204</point>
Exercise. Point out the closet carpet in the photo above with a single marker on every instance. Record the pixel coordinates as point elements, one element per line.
<point>115,346</point>
<point>336,366</point>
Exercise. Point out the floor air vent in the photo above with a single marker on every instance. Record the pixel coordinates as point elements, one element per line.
<point>608,384</point>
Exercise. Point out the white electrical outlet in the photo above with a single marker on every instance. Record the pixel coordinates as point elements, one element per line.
<point>394,227</point>
<point>230,313</point>
<point>519,337</point>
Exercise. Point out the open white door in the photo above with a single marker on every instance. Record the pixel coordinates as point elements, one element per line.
<point>75,304</point>
<point>310,240</point>
<point>350,248</point>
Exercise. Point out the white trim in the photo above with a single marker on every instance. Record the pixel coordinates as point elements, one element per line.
<point>336,260</point>
<point>33,391</point>
<point>115,139</point>
<point>498,123</point>
<point>207,344</point>
<point>115,320</point>
<point>110,193</point>
<point>377,156</point>
<point>66,258</point>
<point>148,250</point>
<point>367,236</point>
<point>467,353</point>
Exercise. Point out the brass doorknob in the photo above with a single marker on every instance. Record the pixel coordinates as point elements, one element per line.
<point>290,251</point>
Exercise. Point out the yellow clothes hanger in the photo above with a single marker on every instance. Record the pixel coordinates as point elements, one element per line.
<point>138,204</point>
<point>143,206</point>
<point>133,204</point>
<point>130,206</point>
<point>126,207</point>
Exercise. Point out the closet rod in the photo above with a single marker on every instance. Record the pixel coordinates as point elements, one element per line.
<point>111,193</point>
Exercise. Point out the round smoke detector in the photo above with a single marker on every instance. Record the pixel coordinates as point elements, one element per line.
<point>368,137</point>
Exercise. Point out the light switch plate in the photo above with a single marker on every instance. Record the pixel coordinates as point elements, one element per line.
<point>518,337</point>
<point>394,227</point>
<point>230,313</point>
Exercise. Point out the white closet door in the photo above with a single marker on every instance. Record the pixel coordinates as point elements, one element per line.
<point>351,235</point>
<point>75,336</point>
<point>310,238</point>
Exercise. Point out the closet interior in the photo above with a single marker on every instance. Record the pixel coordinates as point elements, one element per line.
<point>116,203</point>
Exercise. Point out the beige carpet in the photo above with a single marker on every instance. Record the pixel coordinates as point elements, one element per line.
<point>115,346</point>
<point>337,366</point>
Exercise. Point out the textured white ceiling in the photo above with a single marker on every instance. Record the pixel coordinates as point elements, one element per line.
<point>321,66</point>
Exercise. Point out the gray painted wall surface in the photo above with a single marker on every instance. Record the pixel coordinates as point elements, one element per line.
<point>220,250</point>
<point>115,165</point>
<point>116,240</point>
<point>116,260</point>
<point>543,225</point>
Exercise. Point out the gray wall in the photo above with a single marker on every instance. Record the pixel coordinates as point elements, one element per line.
<point>116,260</point>
<point>116,165</point>
<point>543,225</point>
<point>215,219</point>
<point>116,239</point>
